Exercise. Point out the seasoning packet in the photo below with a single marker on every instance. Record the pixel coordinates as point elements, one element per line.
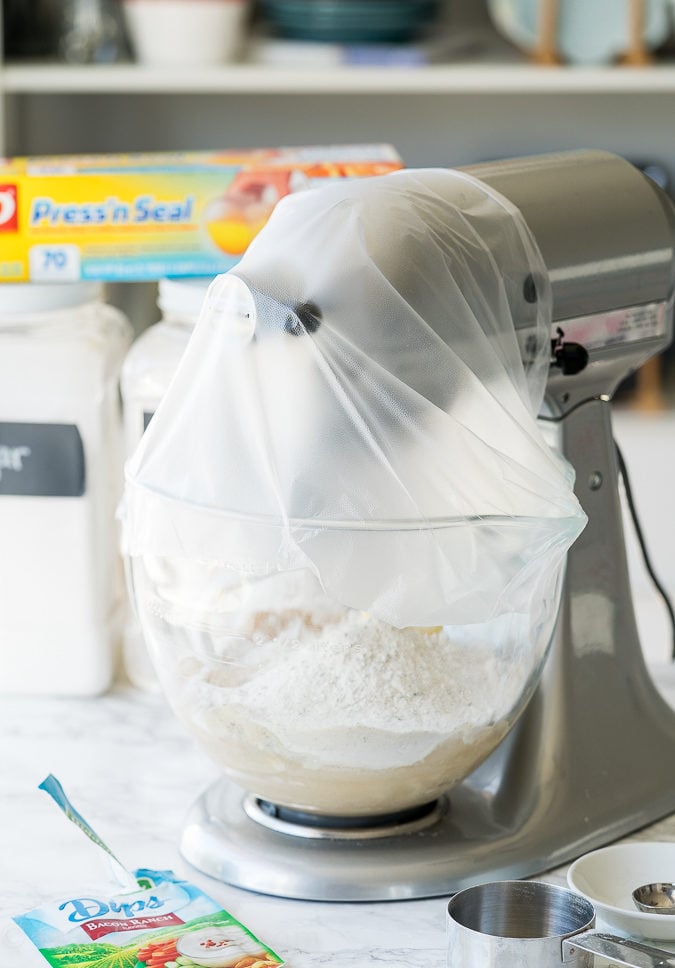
<point>157,920</point>
<point>166,923</point>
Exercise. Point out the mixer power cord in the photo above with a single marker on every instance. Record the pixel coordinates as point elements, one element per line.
<point>623,470</point>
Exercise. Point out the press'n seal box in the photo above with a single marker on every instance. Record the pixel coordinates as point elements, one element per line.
<point>145,216</point>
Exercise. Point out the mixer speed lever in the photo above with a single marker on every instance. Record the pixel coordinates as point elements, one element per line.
<point>570,357</point>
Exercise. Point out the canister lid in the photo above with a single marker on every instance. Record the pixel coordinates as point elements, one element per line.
<point>183,298</point>
<point>30,298</point>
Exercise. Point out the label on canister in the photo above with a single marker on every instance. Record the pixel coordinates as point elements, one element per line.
<point>41,460</point>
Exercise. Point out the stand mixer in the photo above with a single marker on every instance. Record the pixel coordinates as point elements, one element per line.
<point>590,758</point>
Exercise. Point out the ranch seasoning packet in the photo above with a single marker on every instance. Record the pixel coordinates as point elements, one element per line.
<point>166,923</point>
<point>156,921</point>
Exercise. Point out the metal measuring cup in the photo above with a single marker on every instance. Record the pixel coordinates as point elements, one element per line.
<point>530,924</point>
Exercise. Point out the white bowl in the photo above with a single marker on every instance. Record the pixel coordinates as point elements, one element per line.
<point>608,877</point>
<point>185,33</point>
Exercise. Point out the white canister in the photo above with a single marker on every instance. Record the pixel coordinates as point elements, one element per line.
<point>146,374</point>
<point>61,591</point>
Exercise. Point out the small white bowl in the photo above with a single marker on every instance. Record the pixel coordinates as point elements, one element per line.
<point>185,33</point>
<point>608,877</point>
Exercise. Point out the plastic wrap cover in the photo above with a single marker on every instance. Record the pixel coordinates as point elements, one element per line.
<point>359,398</point>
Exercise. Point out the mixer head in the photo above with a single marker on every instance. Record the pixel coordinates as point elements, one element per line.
<point>606,232</point>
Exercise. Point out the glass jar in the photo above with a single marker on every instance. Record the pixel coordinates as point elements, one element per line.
<point>61,588</point>
<point>147,371</point>
<point>92,32</point>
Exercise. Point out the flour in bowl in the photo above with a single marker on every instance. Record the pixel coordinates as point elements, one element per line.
<point>327,708</point>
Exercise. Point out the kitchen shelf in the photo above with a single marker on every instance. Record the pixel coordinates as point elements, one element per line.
<point>480,78</point>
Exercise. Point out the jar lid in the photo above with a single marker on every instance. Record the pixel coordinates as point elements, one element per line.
<point>183,298</point>
<point>30,298</point>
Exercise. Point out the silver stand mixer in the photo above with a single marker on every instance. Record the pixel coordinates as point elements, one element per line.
<point>591,757</point>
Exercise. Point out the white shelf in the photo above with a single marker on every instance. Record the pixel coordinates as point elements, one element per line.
<point>482,78</point>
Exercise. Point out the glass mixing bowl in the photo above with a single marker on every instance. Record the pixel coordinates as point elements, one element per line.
<point>327,709</point>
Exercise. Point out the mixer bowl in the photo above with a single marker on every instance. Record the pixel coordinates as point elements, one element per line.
<point>328,709</point>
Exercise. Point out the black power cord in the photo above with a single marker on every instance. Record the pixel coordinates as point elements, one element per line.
<point>623,470</point>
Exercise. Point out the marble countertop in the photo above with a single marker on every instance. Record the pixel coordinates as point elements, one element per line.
<point>128,766</point>
<point>130,769</point>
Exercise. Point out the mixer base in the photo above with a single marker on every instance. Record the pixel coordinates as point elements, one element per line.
<point>226,836</point>
<point>488,833</point>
